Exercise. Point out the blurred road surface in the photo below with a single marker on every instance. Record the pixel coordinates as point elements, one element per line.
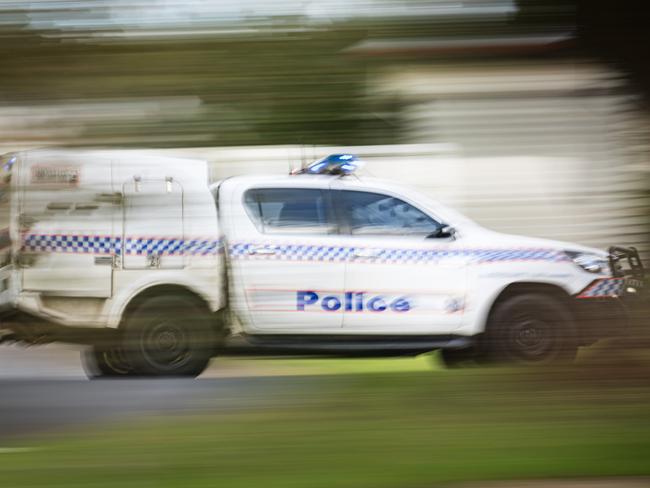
<point>44,389</point>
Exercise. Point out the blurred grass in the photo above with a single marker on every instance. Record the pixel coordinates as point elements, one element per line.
<point>399,429</point>
<point>630,354</point>
<point>320,366</point>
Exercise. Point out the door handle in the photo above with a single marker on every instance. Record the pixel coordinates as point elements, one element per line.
<point>367,253</point>
<point>261,250</point>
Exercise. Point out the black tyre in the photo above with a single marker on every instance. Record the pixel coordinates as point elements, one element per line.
<point>105,362</point>
<point>458,358</point>
<point>169,336</point>
<point>530,329</point>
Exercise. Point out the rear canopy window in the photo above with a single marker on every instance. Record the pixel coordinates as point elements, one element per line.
<point>289,210</point>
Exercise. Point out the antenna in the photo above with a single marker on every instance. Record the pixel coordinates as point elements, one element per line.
<point>303,157</point>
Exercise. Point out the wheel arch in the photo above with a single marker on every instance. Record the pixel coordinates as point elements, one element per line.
<point>155,290</point>
<point>528,287</point>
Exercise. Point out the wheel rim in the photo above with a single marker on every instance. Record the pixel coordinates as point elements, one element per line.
<point>116,361</point>
<point>166,346</point>
<point>532,339</point>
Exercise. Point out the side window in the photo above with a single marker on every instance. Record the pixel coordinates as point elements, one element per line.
<point>377,214</point>
<point>289,210</point>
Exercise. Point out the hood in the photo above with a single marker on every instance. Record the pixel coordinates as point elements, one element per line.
<point>489,238</point>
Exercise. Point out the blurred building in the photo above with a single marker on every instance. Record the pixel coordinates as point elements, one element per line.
<point>551,143</point>
<point>489,105</point>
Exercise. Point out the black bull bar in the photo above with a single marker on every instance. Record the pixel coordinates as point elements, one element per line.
<point>624,262</point>
<point>634,296</point>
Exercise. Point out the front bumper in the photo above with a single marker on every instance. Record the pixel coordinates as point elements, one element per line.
<point>616,305</point>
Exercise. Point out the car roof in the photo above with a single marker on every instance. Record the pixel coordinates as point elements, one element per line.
<point>311,181</point>
<point>270,179</point>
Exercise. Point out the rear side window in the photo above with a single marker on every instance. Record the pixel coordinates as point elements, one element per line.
<point>376,214</point>
<point>290,210</point>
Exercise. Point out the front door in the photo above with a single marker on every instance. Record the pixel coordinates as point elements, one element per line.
<point>287,264</point>
<point>400,279</point>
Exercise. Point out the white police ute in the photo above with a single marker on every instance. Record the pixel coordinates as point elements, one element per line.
<point>139,258</point>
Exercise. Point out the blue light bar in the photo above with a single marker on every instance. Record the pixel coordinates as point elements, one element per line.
<point>7,166</point>
<point>334,164</point>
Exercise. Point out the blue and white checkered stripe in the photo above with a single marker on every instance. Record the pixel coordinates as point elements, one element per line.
<point>145,246</point>
<point>93,244</point>
<point>202,247</point>
<point>69,243</point>
<point>603,288</point>
<point>297,252</point>
<point>477,255</point>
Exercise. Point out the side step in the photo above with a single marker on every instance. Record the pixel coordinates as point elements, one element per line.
<point>27,330</point>
<point>348,346</point>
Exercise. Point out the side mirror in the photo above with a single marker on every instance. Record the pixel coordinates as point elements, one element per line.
<point>448,231</point>
<point>444,232</point>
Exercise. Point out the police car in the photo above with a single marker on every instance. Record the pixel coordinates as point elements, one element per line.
<point>158,272</point>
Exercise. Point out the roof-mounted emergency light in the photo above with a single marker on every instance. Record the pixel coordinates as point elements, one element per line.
<point>334,164</point>
<point>7,166</point>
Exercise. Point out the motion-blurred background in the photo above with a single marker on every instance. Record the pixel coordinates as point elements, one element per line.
<point>531,116</point>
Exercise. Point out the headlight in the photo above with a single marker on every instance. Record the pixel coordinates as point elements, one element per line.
<point>591,263</point>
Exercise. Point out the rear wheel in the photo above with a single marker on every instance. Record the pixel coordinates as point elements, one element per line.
<point>530,329</point>
<point>105,362</point>
<point>169,336</point>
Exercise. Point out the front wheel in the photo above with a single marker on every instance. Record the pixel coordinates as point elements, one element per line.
<point>530,329</point>
<point>169,336</point>
<point>459,358</point>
